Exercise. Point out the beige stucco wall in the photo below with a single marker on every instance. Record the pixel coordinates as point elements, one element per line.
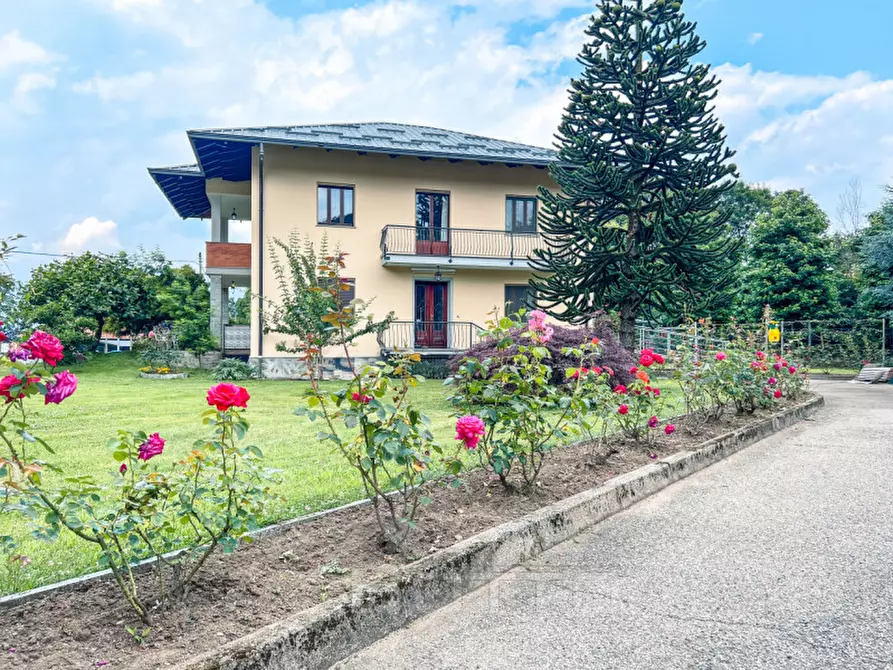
<point>384,193</point>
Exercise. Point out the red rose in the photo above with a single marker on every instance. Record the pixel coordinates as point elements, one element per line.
<point>225,396</point>
<point>658,359</point>
<point>669,429</point>
<point>10,381</point>
<point>44,347</point>
<point>777,393</point>
<point>623,409</point>
<point>620,388</point>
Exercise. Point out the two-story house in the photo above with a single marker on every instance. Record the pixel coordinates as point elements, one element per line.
<point>438,225</point>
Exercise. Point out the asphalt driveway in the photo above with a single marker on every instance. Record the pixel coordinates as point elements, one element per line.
<point>778,557</point>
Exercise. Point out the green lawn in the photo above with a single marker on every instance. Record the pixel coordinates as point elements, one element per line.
<point>112,396</point>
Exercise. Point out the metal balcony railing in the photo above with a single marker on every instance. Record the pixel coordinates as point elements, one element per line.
<point>453,336</point>
<point>457,243</point>
<point>236,338</point>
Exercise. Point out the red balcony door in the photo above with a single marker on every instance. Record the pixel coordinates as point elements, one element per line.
<point>432,224</point>
<point>431,315</point>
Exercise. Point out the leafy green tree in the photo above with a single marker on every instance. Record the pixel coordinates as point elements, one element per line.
<point>876,296</point>
<point>743,203</point>
<point>304,296</point>
<point>240,310</point>
<point>790,262</point>
<point>186,301</point>
<point>641,171</point>
<point>80,297</point>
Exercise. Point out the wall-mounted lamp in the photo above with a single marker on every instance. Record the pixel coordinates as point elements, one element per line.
<point>234,217</point>
<point>438,275</point>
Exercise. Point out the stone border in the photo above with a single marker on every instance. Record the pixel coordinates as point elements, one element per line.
<point>323,635</point>
<point>173,375</point>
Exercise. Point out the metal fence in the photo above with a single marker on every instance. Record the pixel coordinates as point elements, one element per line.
<point>823,345</point>
<point>452,336</point>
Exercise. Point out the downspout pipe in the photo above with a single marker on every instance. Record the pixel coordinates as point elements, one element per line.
<point>260,252</point>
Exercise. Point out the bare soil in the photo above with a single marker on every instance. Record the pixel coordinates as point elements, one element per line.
<point>282,574</point>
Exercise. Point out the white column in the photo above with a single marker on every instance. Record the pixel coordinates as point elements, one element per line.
<point>219,219</point>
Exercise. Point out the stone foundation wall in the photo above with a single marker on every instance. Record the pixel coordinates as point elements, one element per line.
<point>189,360</point>
<point>292,368</point>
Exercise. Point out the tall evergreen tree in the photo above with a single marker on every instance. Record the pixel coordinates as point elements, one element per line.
<point>876,297</point>
<point>642,166</point>
<point>790,262</point>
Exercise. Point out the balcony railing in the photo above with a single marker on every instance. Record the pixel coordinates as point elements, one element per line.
<point>450,336</point>
<point>458,243</point>
<point>236,338</point>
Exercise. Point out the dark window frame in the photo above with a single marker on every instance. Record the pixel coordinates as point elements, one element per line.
<point>511,223</point>
<point>341,189</point>
<point>530,298</point>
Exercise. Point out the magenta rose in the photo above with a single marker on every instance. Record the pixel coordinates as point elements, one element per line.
<point>225,396</point>
<point>62,386</point>
<point>470,430</point>
<point>152,447</point>
<point>669,429</point>
<point>44,347</point>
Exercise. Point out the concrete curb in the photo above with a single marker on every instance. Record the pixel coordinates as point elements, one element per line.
<point>323,635</point>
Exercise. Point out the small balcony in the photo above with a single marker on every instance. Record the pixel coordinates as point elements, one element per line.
<point>430,337</point>
<point>236,340</point>
<point>457,247</point>
<point>226,257</point>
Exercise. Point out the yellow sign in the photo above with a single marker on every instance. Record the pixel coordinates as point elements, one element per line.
<point>773,333</point>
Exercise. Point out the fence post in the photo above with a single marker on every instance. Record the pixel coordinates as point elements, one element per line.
<point>669,341</point>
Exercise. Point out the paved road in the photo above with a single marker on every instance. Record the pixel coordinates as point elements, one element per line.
<point>779,557</point>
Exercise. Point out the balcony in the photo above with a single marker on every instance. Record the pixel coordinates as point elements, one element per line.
<point>236,340</point>
<point>228,258</point>
<point>457,247</point>
<point>430,337</point>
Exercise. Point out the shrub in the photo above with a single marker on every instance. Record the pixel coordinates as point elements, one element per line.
<point>209,500</point>
<point>510,408</point>
<point>639,403</point>
<point>233,370</point>
<point>371,420</point>
<point>158,349</point>
<point>611,355</point>
<point>431,369</point>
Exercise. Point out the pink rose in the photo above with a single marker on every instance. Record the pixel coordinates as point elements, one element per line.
<point>652,422</point>
<point>44,347</point>
<point>772,381</point>
<point>657,393</point>
<point>470,430</point>
<point>363,399</point>
<point>536,320</point>
<point>62,386</point>
<point>658,359</point>
<point>151,447</point>
<point>720,356</point>
<point>225,396</point>
<point>792,369</point>
<point>669,429</point>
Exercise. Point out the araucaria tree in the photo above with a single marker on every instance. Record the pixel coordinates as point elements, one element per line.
<point>641,167</point>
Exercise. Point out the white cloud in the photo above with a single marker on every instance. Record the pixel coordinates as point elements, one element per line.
<point>127,87</point>
<point>16,50</point>
<point>93,234</point>
<point>753,38</point>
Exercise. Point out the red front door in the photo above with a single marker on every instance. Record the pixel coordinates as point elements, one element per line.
<point>431,315</point>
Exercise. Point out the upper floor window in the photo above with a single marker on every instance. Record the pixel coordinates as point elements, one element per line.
<point>334,205</point>
<point>519,296</point>
<point>520,214</point>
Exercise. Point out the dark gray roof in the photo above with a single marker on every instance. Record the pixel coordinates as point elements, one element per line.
<point>387,138</point>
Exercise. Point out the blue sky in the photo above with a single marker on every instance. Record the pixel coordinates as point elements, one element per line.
<point>94,91</point>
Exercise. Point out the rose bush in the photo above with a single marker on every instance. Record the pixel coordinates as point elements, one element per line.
<point>371,421</point>
<point>210,499</point>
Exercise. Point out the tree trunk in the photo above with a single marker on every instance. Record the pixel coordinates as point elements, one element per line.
<point>100,324</point>
<point>628,312</point>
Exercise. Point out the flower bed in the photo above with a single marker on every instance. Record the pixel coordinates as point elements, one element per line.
<point>282,574</point>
